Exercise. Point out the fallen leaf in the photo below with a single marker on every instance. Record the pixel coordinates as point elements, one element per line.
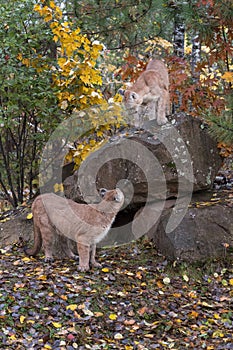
<point>21,319</point>
<point>113,317</point>
<point>142,310</point>
<point>57,324</point>
<point>72,307</point>
<point>105,269</point>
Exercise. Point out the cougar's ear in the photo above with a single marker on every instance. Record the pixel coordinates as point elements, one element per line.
<point>121,92</point>
<point>119,196</point>
<point>102,192</point>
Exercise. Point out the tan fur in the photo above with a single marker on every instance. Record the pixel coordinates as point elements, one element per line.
<point>86,224</point>
<point>152,85</point>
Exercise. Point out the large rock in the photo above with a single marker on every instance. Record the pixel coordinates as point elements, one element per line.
<point>155,163</point>
<point>203,234</point>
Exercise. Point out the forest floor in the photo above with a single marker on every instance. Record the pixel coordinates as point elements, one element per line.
<point>137,300</point>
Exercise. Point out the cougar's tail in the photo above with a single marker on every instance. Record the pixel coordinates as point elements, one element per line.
<point>37,243</point>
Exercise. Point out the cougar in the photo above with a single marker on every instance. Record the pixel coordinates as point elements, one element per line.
<point>151,86</point>
<point>86,224</point>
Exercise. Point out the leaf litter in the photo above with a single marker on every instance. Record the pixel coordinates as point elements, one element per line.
<point>136,301</point>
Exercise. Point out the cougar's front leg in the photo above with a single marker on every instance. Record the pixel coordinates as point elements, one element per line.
<point>167,99</point>
<point>93,252</point>
<point>84,256</point>
<point>161,116</point>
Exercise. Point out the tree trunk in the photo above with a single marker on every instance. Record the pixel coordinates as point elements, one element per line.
<point>196,56</point>
<point>179,35</point>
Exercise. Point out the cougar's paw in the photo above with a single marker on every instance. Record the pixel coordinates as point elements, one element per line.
<point>74,257</point>
<point>162,121</point>
<point>83,268</point>
<point>96,264</point>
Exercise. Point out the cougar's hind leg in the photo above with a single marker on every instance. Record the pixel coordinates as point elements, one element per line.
<point>47,233</point>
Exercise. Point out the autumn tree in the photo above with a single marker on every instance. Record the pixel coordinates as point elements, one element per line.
<point>28,108</point>
<point>199,60</point>
<point>50,67</point>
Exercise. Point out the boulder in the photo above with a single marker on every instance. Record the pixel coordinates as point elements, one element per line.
<point>154,163</point>
<point>204,233</point>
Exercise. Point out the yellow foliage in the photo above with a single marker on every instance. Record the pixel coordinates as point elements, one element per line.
<point>29,216</point>
<point>228,76</point>
<point>76,78</point>
<point>75,75</point>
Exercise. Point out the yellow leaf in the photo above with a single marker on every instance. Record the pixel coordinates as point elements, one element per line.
<point>42,278</point>
<point>21,319</point>
<point>37,8</point>
<point>231,282</point>
<point>177,295</point>
<point>12,337</point>
<point>52,5</point>
<point>26,259</point>
<point>113,317</point>
<point>31,321</point>
<point>57,324</point>
<point>159,284</point>
<point>105,269</point>
<point>99,133</point>
<point>92,143</point>
<point>228,76</point>
<point>29,216</point>
<point>4,220</point>
<point>72,307</point>
<point>139,275</point>
<point>20,57</point>
<point>218,334</point>
<point>193,314</point>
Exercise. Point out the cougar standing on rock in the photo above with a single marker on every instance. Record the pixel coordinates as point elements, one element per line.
<point>86,224</point>
<point>151,86</point>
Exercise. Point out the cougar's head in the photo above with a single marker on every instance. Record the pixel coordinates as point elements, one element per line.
<point>116,195</point>
<point>131,98</point>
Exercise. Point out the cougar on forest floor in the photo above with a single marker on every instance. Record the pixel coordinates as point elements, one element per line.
<point>86,224</point>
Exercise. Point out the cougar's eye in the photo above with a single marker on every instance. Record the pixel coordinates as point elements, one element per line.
<point>102,192</point>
